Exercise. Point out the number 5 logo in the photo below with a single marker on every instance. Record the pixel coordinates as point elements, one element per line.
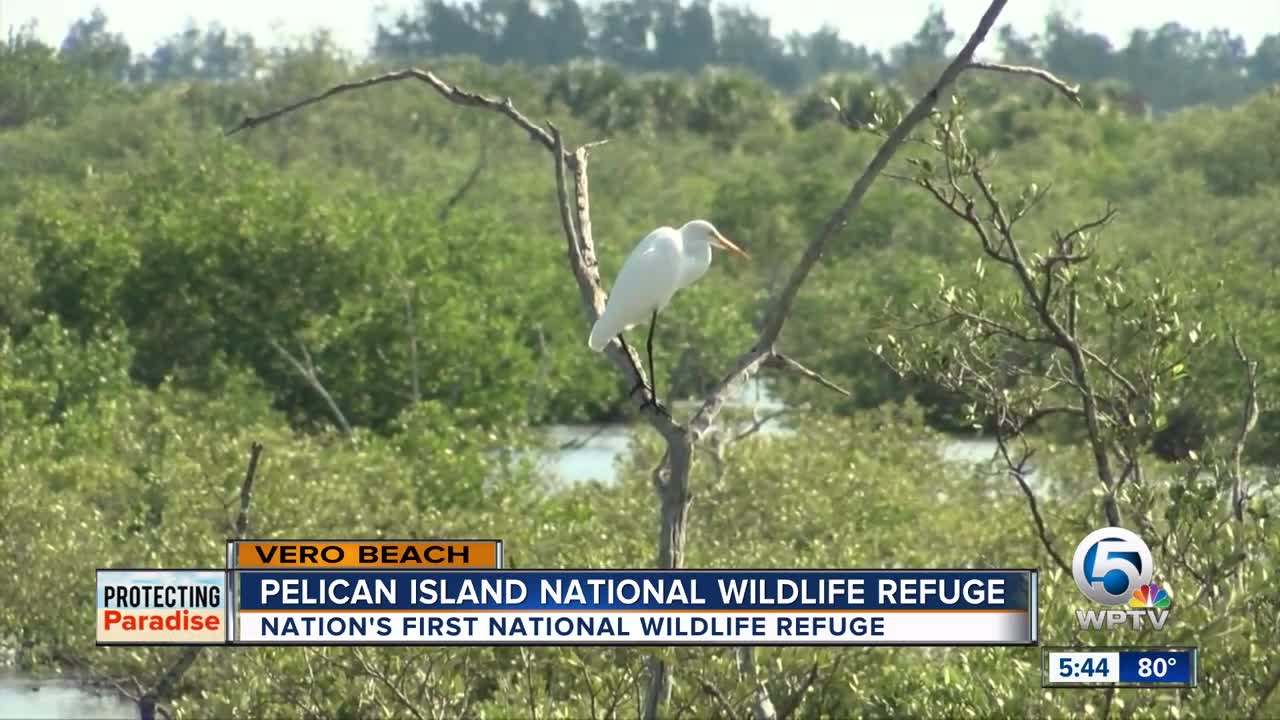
<point>1109,564</point>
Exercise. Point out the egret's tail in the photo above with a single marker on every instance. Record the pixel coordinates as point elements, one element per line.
<point>602,332</point>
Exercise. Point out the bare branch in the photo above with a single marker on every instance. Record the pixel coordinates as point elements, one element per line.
<point>580,442</point>
<point>749,362</point>
<point>246,490</point>
<point>1018,470</point>
<point>481,160</point>
<point>1248,420</point>
<point>312,377</point>
<point>782,362</point>
<point>377,674</point>
<point>1040,414</point>
<point>758,424</point>
<point>1072,92</point>
<point>449,92</point>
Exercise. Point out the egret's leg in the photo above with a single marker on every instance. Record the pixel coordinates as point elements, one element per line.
<point>653,374</point>
<point>639,375</point>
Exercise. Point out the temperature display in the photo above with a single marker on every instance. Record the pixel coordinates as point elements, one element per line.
<point>1119,667</point>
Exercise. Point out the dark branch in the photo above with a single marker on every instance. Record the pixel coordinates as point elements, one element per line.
<point>246,490</point>
<point>481,160</point>
<point>1018,469</point>
<point>782,362</point>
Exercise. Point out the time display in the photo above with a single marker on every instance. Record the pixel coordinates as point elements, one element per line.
<point>1084,667</point>
<point>1120,667</point>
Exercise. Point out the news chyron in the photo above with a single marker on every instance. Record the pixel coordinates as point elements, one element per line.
<point>196,607</point>
<point>458,592</point>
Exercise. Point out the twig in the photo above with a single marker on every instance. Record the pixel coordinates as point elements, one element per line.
<point>312,376</point>
<point>782,362</point>
<point>481,160</point>
<point>377,674</point>
<point>1072,92</point>
<point>1018,470</point>
<point>758,423</point>
<point>581,441</point>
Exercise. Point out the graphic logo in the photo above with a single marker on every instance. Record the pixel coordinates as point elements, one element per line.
<point>1150,595</point>
<point>1113,567</point>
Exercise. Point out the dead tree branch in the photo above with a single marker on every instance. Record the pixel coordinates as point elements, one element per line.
<point>1071,92</point>
<point>1248,420</point>
<point>782,362</point>
<point>311,375</point>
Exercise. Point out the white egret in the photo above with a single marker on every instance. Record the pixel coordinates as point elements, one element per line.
<point>666,261</point>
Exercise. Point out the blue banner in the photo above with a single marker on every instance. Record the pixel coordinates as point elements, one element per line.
<point>652,590</point>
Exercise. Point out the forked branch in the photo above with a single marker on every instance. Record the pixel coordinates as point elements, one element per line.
<point>307,369</point>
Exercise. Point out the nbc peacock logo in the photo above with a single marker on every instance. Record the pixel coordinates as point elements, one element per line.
<point>1151,595</point>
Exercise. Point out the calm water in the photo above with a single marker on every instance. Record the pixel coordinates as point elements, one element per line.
<point>590,453</point>
<point>23,699</point>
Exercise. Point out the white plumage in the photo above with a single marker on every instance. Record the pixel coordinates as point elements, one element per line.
<point>665,261</point>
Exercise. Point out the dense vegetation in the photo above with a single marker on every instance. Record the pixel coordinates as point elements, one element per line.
<point>169,295</point>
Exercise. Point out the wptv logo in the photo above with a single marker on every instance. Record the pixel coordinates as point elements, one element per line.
<point>1112,567</point>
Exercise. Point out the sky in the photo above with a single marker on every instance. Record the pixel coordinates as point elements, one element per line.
<point>879,25</point>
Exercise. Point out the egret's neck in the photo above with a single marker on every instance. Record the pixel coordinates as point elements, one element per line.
<point>697,258</point>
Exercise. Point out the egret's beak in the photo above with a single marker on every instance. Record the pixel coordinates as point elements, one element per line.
<point>723,243</point>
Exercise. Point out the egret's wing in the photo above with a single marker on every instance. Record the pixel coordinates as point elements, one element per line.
<point>645,283</point>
